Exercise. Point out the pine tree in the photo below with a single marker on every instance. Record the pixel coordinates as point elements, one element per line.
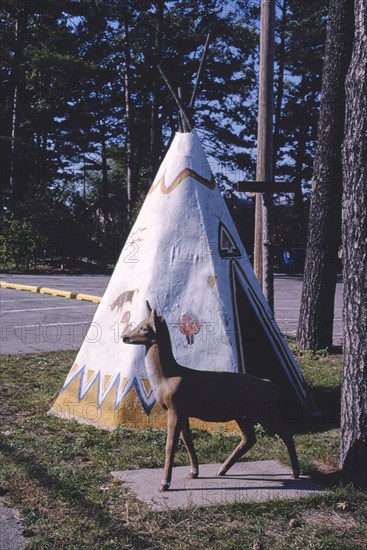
<point>353,448</point>
<point>315,330</point>
<point>302,42</point>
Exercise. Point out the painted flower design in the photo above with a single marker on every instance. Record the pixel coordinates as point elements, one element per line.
<point>189,325</point>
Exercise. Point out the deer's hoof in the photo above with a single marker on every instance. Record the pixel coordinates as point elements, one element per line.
<point>194,474</point>
<point>164,486</point>
<point>221,472</point>
<point>295,475</point>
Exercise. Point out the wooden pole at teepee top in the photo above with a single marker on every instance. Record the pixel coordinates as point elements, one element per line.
<point>198,76</point>
<point>185,113</point>
<point>181,120</point>
<point>181,106</point>
<point>263,237</point>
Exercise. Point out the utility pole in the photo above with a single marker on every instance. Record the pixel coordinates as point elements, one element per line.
<point>264,187</point>
<point>263,245</point>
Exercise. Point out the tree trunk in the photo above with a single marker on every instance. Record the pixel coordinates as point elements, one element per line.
<point>299,207</point>
<point>155,126</point>
<point>268,249</point>
<point>353,448</point>
<point>105,183</point>
<point>280,85</point>
<point>16,170</point>
<point>315,329</point>
<point>131,187</point>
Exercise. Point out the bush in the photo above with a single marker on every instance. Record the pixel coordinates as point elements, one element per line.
<point>20,243</point>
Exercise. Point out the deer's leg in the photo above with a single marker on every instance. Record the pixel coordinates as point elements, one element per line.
<point>187,439</point>
<point>287,437</point>
<point>173,433</point>
<point>248,439</point>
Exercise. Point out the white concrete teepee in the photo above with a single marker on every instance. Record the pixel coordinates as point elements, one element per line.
<point>185,256</point>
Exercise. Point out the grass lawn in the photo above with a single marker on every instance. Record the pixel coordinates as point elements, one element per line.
<point>58,474</point>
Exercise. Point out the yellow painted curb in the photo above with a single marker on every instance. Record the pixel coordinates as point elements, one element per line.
<point>58,292</point>
<point>52,292</point>
<point>89,298</point>
<point>14,286</point>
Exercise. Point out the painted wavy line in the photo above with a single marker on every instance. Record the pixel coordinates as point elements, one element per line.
<point>185,173</point>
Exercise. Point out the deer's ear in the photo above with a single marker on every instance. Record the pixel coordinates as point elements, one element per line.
<point>149,309</point>
<point>154,320</point>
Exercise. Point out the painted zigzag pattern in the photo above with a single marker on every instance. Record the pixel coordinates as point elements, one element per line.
<point>121,385</point>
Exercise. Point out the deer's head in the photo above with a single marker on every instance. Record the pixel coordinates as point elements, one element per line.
<point>146,332</point>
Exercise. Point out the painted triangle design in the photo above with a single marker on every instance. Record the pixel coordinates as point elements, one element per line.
<point>227,244</point>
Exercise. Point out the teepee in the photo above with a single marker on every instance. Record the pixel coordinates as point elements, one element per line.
<point>185,256</point>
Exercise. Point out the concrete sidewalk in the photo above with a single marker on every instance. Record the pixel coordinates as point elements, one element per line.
<point>246,482</point>
<point>10,529</point>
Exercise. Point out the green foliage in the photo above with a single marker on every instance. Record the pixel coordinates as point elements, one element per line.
<point>309,353</point>
<point>303,58</point>
<point>69,68</point>
<point>19,243</point>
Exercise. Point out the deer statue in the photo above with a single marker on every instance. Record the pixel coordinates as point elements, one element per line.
<point>208,396</point>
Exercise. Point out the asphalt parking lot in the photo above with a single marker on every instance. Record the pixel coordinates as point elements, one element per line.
<point>32,322</point>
